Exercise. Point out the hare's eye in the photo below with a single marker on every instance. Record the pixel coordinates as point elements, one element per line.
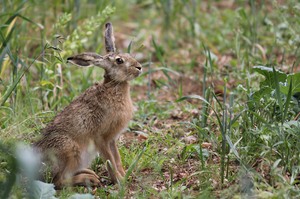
<point>119,60</point>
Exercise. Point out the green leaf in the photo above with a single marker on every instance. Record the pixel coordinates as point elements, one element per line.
<point>277,90</point>
<point>205,102</point>
<point>262,92</point>
<point>200,150</point>
<point>268,73</point>
<point>43,190</point>
<point>81,196</point>
<point>293,123</point>
<point>242,14</point>
<point>295,79</point>
<point>11,177</point>
<point>260,118</point>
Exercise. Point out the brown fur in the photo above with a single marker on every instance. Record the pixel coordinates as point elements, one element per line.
<point>93,122</point>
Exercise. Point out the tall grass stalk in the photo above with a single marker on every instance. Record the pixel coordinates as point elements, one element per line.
<point>19,76</point>
<point>231,97</point>
<point>149,78</point>
<point>205,91</point>
<point>223,131</point>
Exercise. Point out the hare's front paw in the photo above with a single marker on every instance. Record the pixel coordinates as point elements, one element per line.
<point>117,177</point>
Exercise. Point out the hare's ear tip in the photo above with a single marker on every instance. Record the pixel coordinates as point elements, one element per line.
<point>69,59</point>
<point>108,24</point>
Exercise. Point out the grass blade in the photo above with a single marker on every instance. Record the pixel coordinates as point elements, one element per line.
<point>2,56</point>
<point>158,52</point>
<point>205,109</point>
<point>30,21</point>
<point>129,47</point>
<point>232,147</point>
<point>128,173</point>
<point>288,100</point>
<point>277,90</point>
<point>17,80</point>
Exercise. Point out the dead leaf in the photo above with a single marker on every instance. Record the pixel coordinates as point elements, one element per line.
<point>206,145</point>
<point>190,139</point>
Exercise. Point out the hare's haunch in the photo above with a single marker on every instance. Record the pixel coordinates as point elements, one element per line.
<point>92,123</point>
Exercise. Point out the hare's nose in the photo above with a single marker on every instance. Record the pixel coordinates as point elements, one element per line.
<point>138,67</point>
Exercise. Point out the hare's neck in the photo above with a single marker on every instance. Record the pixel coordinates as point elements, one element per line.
<point>121,86</point>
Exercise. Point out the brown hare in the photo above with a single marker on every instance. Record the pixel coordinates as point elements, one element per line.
<point>92,123</point>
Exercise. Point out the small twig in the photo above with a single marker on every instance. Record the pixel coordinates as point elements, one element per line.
<point>297,116</point>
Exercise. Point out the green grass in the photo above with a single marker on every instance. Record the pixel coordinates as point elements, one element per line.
<point>218,101</point>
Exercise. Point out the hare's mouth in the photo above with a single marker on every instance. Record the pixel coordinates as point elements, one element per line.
<point>139,71</point>
<point>139,68</point>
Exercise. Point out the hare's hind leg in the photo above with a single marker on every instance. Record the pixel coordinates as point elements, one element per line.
<point>86,171</point>
<point>71,176</point>
<point>69,161</point>
<point>85,177</point>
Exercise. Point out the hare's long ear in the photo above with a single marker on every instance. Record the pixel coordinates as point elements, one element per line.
<point>109,38</point>
<point>86,59</point>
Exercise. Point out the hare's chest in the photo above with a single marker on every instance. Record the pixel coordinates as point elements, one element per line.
<point>121,106</point>
<point>122,115</point>
<point>117,118</point>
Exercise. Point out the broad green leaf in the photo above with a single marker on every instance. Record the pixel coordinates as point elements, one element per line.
<point>11,177</point>
<point>269,75</point>
<point>81,196</point>
<point>200,150</point>
<point>43,190</point>
<point>291,123</point>
<point>295,78</point>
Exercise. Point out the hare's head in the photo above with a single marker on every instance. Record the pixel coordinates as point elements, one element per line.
<point>118,67</point>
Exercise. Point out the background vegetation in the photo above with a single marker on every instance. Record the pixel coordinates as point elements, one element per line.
<point>217,108</point>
